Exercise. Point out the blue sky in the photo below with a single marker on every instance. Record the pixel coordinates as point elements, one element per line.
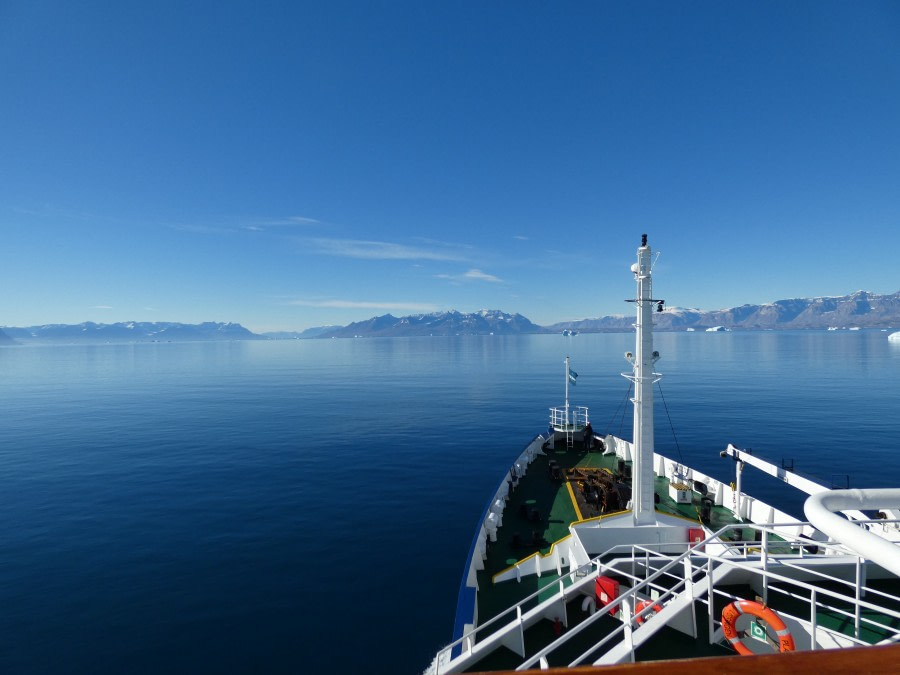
<point>294,164</point>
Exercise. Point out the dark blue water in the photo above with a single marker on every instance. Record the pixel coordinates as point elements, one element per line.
<point>308,505</point>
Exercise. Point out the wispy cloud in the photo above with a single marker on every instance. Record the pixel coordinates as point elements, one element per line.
<point>444,244</point>
<point>366,304</point>
<point>383,250</point>
<point>478,275</point>
<point>263,224</point>
<point>101,307</point>
<point>520,237</point>
<point>295,220</point>
<point>233,224</point>
<point>471,275</point>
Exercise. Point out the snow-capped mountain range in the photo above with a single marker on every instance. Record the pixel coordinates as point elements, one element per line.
<point>483,322</point>
<point>858,310</point>
<point>131,331</point>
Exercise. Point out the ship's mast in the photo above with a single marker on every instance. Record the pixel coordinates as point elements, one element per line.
<point>642,495</point>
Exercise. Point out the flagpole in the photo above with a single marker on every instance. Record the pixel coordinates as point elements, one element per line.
<point>567,390</point>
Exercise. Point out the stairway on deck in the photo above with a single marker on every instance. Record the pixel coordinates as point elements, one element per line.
<point>673,614</point>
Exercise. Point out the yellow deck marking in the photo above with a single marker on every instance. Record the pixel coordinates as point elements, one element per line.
<point>678,515</point>
<point>603,517</point>
<point>533,555</point>
<point>574,503</point>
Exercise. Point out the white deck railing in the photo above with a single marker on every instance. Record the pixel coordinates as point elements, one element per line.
<point>692,575</point>
<point>574,418</point>
<point>822,510</point>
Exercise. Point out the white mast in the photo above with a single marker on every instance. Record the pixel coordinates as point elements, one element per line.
<point>567,390</point>
<point>642,487</point>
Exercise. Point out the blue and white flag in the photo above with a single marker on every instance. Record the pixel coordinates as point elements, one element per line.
<point>572,376</point>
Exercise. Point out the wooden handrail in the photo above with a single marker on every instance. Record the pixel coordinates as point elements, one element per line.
<point>856,661</point>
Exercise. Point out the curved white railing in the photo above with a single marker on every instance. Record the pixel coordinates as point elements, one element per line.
<point>821,510</point>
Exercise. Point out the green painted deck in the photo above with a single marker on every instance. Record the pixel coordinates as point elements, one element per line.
<point>520,537</point>
<point>672,644</point>
<point>523,535</point>
<point>871,630</point>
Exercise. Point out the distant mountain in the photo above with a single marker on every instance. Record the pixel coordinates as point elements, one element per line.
<point>300,335</point>
<point>133,331</point>
<point>484,322</point>
<point>858,310</point>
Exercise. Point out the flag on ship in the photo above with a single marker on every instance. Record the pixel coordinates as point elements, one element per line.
<point>572,376</point>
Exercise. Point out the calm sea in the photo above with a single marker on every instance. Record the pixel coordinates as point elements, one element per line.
<point>304,506</point>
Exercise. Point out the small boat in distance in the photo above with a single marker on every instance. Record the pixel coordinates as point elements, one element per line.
<point>597,550</point>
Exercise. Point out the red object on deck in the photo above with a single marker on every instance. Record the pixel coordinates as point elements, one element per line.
<point>607,590</point>
<point>696,535</point>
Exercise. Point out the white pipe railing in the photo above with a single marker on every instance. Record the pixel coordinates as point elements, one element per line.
<point>573,418</point>
<point>821,510</point>
<point>529,607</point>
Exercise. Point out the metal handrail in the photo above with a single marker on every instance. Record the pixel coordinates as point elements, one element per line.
<point>573,574</point>
<point>822,508</point>
<point>691,551</point>
<point>573,417</point>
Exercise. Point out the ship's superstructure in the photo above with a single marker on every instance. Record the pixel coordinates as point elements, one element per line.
<point>597,550</point>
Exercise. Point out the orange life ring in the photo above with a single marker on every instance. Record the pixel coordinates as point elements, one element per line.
<point>642,605</point>
<point>729,625</point>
